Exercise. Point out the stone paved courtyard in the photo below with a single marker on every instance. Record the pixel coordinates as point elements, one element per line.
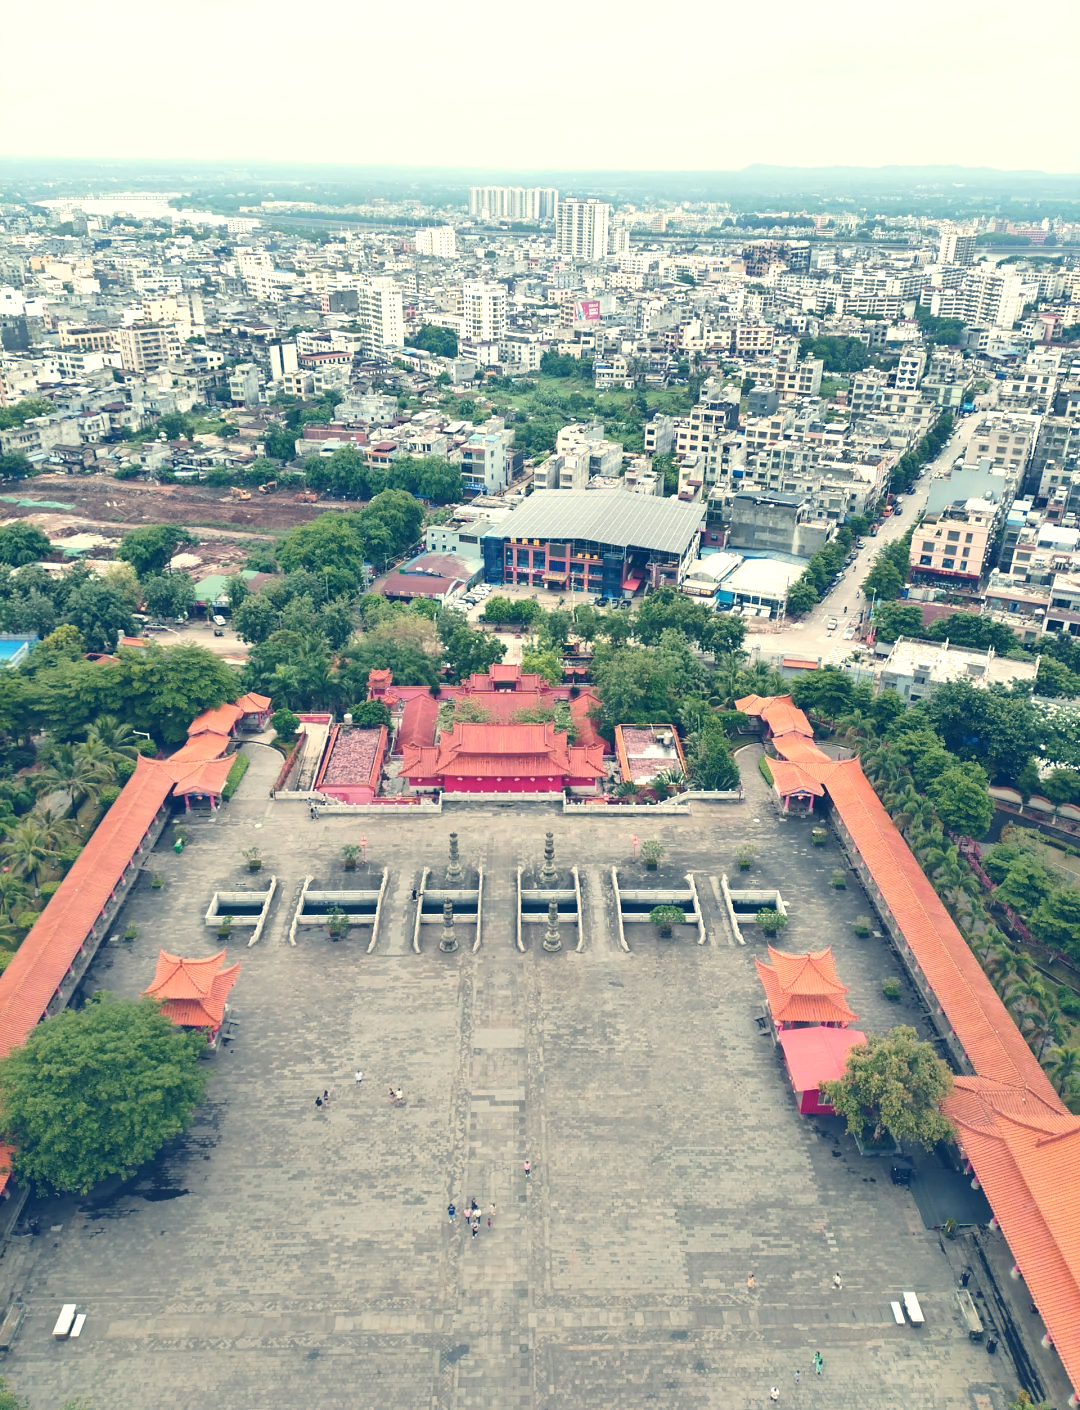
<point>281,1256</point>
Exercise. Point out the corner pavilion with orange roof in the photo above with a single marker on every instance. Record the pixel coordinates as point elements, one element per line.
<point>803,990</point>
<point>193,993</point>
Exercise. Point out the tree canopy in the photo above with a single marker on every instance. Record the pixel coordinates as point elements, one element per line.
<point>22,543</point>
<point>149,550</point>
<point>896,1084</point>
<point>98,1092</point>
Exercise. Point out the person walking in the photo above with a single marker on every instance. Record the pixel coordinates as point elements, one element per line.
<point>837,1282</point>
<point>326,1097</point>
<point>798,1376</point>
<point>527,1167</point>
<point>451,1209</point>
<point>818,1362</point>
<point>359,1078</point>
<point>751,1281</point>
<point>475,1223</point>
<point>491,1216</point>
<point>774,1394</point>
<point>318,1104</point>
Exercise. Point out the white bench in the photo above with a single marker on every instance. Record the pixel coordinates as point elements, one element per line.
<point>64,1321</point>
<point>914,1311</point>
<point>898,1314</point>
<point>80,1322</point>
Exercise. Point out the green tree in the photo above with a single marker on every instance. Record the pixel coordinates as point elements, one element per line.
<point>883,580</point>
<point>996,726</point>
<point>236,589</point>
<point>284,723</point>
<point>22,543</point>
<point>440,342</point>
<point>162,690</point>
<point>79,775</point>
<point>100,613</point>
<point>149,550</point>
<point>543,663</point>
<point>895,619</point>
<point>168,594</point>
<point>254,619</point>
<point>1056,921</point>
<point>974,631</point>
<point>98,1092</point>
<point>962,801</point>
<point>802,596</point>
<point>709,760</point>
<point>14,466</point>
<point>370,714</point>
<point>896,1084</point>
<point>30,852</point>
<point>332,546</point>
<point>1026,886</point>
<point>468,651</point>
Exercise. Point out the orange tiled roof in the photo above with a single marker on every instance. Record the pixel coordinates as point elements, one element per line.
<point>252,704</point>
<point>193,992</point>
<point>48,952</point>
<point>779,712</point>
<point>501,751</point>
<point>208,745</point>
<point>790,778</point>
<point>1022,1142</point>
<point>1025,1152</point>
<point>804,988</point>
<point>220,721</point>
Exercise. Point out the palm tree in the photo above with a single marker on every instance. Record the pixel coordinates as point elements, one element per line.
<point>13,894</point>
<point>1009,969</point>
<point>29,851</point>
<point>70,773</point>
<point>118,740</point>
<point>93,752</point>
<point>1048,1032</point>
<point>1065,1066</point>
<point>904,805</point>
<point>857,725</point>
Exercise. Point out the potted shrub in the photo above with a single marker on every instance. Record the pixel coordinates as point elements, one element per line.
<point>861,927</point>
<point>350,852</point>
<point>890,988</point>
<point>651,853</point>
<point>181,835</point>
<point>254,859</point>
<point>839,880</point>
<point>818,836</point>
<point>224,927</point>
<point>337,922</point>
<point>664,917</point>
<point>950,1228</point>
<point>745,855</point>
<point>157,882</point>
<point>131,933</point>
<point>771,921</point>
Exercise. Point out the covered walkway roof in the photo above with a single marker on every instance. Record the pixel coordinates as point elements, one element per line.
<point>1022,1141</point>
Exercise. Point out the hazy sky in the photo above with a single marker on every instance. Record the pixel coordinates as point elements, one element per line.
<point>589,84</point>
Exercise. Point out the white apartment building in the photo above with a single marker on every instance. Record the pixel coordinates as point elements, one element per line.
<point>440,241</point>
<point>957,247</point>
<point>482,309</point>
<point>256,269</point>
<point>283,360</point>
<point>513,202</point>
<point>147,346</point>
<point>996,299</point>
<point>581,229</point>
<point>380,317</point>
<point>244,383</point>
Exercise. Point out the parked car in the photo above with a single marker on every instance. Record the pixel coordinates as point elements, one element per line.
<point>831,624</point>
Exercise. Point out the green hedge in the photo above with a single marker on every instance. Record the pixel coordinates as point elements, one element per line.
<point>236,773</point>
<point>765,771</point>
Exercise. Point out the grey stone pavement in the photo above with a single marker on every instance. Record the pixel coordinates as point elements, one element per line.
<point>279,1256</point>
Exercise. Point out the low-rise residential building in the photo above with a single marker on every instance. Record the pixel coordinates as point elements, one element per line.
<point>915,669</point>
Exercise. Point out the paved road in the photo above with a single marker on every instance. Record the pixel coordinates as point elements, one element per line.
<point>810,637</point>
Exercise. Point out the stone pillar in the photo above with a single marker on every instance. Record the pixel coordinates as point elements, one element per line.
<point>448,941</point>
<point>453,871</point>
<point>1014,1272</point>
<point>551,936</point>
<point>1046,1341</point>
<point>548,873</point>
